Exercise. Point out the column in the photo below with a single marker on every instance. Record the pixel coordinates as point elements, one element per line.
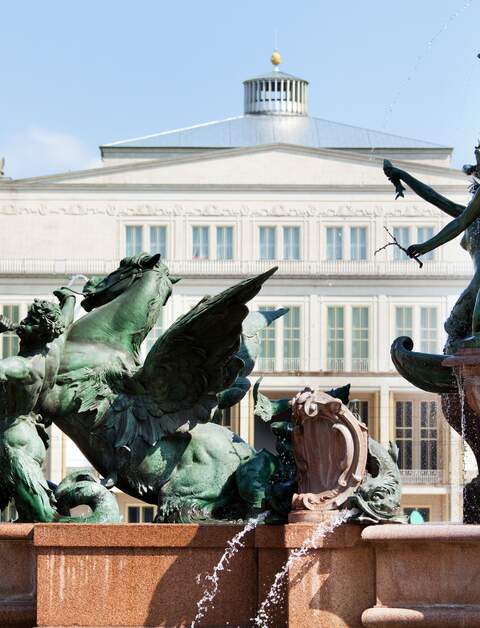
<point>382,341</point>
<point>312,335</point>
<point>278,326</point>
<point>347,336</point>
<point>384,412</point>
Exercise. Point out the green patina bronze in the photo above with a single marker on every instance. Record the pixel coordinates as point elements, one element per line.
<point>249,350</point>
<point>25,381</point>
<point>147,427</point>
<point>430,372</point>
<point>376,500</point>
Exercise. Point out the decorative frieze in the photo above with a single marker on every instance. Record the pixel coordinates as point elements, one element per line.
<point>123,208</point>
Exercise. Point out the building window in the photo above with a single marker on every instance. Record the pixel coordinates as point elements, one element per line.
<point>401,234</point>
<point>404,433</point>
<point>158,241</point>
<point>416,434</point>
<point>291,243</point>
<point>266,355</point>
<point>268,236</point>
<point>134,240</point>
<point>200,242</point>
<point>224,242</point>
<point>154,335</point>
<point>423,234</point>
<point>10,340</point>
<point>336,338</point>
<point>360,339</point>
<point>334,243</point>
<point>291,339</point>
<point>140,514</point>
<point>359,407</point>
<point>403,321</point>
<point>428,435</point>
<point>358,243</point>
<point>428,330</point>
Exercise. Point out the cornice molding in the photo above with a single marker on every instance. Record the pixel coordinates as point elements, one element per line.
<point>125,209</point>
<point>215,188</point>
<point>350,156</point>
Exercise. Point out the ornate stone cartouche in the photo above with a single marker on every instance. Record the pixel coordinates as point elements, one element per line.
<point>330,448</point>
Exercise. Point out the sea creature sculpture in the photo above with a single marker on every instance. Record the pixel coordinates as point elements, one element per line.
<point>377,499</point>
<point>82,488</point>
<point>147,427</point>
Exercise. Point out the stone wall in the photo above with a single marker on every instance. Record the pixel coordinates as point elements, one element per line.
<point>146,575</point>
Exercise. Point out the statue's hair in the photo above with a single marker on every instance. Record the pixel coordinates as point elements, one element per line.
<point>49,317</point>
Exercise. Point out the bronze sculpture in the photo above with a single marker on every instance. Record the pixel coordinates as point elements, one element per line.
<point>436,373</point>
<point>149,428</point>
<point>146,428</point>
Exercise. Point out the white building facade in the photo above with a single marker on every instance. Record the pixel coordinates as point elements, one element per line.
<point>234,197</point>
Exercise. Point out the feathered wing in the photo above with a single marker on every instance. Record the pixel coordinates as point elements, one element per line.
<point>189,364</point>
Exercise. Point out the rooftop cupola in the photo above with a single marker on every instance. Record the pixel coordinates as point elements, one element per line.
<point>276,93</point>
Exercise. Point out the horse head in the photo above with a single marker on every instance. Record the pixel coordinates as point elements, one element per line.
<point>101,290</point>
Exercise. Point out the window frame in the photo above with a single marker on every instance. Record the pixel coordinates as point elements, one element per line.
<point>279,241</point>
<point>416,439</point>
<point>145,227</point>
<point>224,226</point>
<point>358,226</point>
<point>279,360</point>
<point>142,508</point>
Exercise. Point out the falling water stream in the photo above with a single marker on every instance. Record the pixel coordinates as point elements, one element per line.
<point>213,579</point>
<point>461,394</point>
<point>424,53</point>
<point>274,595</point>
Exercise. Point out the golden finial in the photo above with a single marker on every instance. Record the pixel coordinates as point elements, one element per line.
<point>276,58</point>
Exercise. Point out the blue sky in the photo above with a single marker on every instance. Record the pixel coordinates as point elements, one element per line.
<point>74,75</point>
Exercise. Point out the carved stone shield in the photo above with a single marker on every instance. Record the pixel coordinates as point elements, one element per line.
<point>330,448</point>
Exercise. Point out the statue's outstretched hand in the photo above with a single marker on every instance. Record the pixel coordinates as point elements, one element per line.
<point>389,169</point>
<point>415,250</point>
<point>62,294</point>
<point>395,176</point>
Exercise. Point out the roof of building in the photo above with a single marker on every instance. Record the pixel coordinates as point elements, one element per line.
<point>276,74</point>
<point>253,130</point>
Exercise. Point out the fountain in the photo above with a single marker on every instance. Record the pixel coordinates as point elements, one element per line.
<point>266,529</point>
<point>454,377</point>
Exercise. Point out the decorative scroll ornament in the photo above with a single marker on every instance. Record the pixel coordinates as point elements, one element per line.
<point>330,448</point>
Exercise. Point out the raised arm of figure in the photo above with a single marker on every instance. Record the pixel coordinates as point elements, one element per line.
<point>66,300</point>
<point>451,230</point>
<point>424,191</point>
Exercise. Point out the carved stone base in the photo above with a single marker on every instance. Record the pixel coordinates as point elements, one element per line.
<point>311,516</point>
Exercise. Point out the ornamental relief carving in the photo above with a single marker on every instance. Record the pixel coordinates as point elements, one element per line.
<point>153,209</point>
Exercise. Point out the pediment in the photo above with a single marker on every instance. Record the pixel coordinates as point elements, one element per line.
<point>276,165</point>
